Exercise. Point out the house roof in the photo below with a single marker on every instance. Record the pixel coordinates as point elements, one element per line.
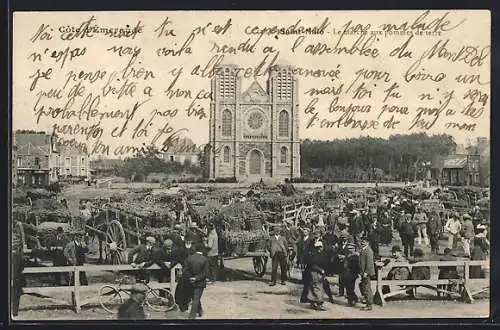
<point>451,161</point>
<point>106,163</point>
<point>35,139</point>
<point>33,150</point>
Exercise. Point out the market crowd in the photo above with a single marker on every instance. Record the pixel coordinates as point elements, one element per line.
<point>343,241</point>
<point>347,242</point>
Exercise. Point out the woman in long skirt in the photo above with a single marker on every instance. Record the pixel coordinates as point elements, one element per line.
<point>314,279</point>
<point>386,224</point>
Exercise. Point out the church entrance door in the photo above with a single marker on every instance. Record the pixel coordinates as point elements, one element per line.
<point>255,163</point>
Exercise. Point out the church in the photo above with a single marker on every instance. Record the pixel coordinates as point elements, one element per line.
<point>254,134</point>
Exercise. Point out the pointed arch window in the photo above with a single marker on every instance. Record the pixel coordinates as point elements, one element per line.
<point>226,154</point>
<point>283,155</point>
<point>227,123</point>
<point>283,123</point>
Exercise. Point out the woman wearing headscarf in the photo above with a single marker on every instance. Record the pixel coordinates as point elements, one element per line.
<point>315,277</point>
<point>480,251</point>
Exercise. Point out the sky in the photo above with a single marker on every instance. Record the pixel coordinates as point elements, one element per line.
<point>465,29</point>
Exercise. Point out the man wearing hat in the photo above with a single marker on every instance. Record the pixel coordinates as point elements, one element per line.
<point>356,226</point>
<point>212,245</point>
<point>367,272</point>
<point>351,273</point>
<point>183,290</point>
<point>304,248</point>
<point>18,280</point>
<point>447,272</point>
<point>75,252</point>
<point>196,271</point>
<point>467,233</point>
<point>435,227</point>
<point>407,232</point>
<point>143,256</point>
<point>277,247</point>
<point>56,247</point>
<point>453,227</point>
<point>396,272</point>
<point>421,220</point>
<point>133,308</point>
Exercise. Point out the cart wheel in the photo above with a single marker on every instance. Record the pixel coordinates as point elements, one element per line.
<point>115,243</point>
<point>259,265</point>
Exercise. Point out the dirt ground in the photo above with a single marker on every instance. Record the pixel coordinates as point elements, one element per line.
<point>243,296</point>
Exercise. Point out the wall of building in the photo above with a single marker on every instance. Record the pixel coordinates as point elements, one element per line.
<point>243,138</point>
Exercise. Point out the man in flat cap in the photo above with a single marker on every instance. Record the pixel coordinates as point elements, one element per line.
<point>133,308</point>
<point>196,271</point>
<point>351,272</point>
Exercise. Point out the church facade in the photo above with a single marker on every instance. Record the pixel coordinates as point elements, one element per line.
<point>254,134</point>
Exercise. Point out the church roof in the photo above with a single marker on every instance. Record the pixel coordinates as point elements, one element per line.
<point>255,92</point>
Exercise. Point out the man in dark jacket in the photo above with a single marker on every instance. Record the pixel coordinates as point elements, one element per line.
<point>351,273</point>
<point>133,308</point>
<point>374,237</point>
<point>183,290</point>
<point>144,256</point>
<point>18,280</point>
<point>447,272</point>
<point>435,226</point>
<point>356,226</point>
<point>277,247</point>
<point>304,248</point>
<point>56,247</point>
<point>367,271</point>
<point>75,253</point>
<point>407,232</point>
<point>196,272</point>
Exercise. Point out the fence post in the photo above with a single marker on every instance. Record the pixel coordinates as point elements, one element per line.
<point>172,279</point>
<point>379,295</point>
<point>466,293</point>
<point>76,290</point>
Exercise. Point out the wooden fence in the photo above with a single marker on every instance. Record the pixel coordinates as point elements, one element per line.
<point>75,290</point>
<point>469,287</point>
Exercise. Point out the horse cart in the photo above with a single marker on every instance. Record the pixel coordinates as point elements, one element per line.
<point>120,225</point>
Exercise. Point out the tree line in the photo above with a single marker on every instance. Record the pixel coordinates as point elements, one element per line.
<point>400,158</point>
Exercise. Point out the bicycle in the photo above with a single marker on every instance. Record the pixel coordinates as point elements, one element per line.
<point>112,296</point>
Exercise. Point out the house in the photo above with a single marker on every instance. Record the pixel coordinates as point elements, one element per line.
<point>72,163</point>
<point>41,160</point>
<point>457,170</point>
<point>32,156</point>
<point>185,150</point>
<point>105,167</point>
<point>14,164</point>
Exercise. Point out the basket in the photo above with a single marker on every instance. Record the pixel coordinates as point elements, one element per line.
<point>239,248</point>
